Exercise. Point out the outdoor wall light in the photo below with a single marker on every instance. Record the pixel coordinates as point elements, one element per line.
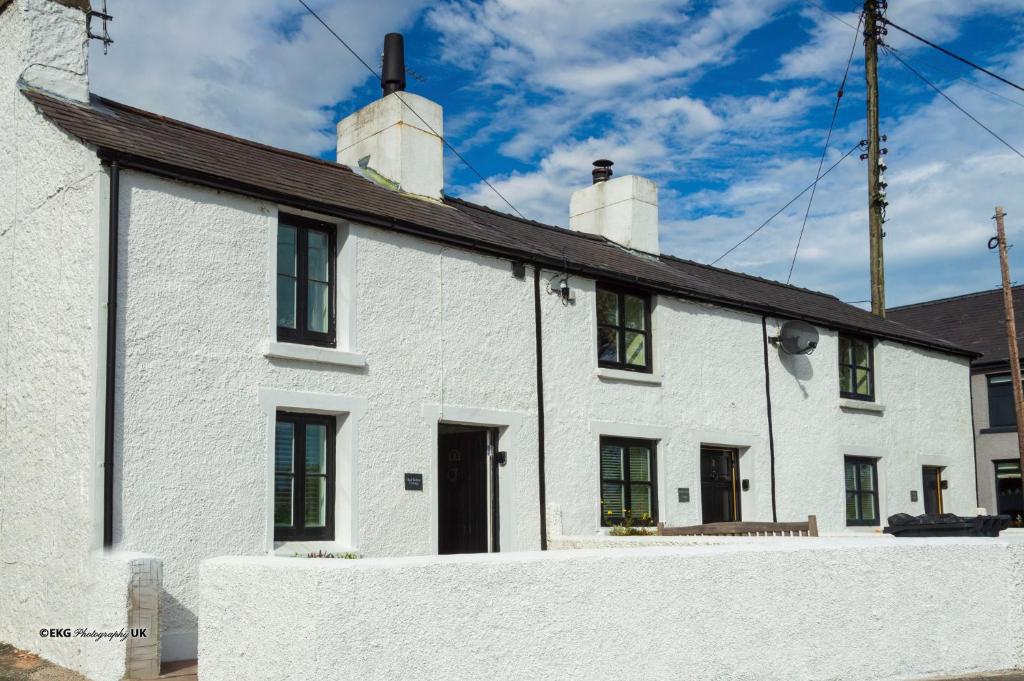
<point>560,286</point>
<point>566,293</point>
<point>745,485</point>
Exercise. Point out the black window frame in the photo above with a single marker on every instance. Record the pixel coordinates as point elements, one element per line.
<point>301,333</point>
<point>1001,507</point>
<point>297,531</point>
<point>1007,386</point>
<point>621,293</point>
<point>860,521</point>
<point>870,397</point>
<point>626,442</point>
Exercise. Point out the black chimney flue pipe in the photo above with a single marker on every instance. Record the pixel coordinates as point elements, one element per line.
<point>392,75</point>
<point>602,171</point>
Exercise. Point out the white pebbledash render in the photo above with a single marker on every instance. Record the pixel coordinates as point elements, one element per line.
<point>430,334</point>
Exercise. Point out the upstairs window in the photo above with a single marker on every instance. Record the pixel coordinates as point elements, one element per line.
<point>623,329</point>
<point>304,477</point>
<point>628,481</point>
<point>1000,402</point>
<point>305,281</point>
<point>856,368</point>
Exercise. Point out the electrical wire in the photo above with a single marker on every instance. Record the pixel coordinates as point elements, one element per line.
<point>789,203</point>
<point>965,81</point>
<point>838,18</point>
<point>887,22</point>
<point>949,99</point>
<point>824,151</point>
<point>406,104</point>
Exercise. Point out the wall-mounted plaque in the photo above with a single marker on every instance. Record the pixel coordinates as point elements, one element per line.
<point>414,481</point>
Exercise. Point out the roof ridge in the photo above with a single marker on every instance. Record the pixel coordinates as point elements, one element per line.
<point>598,237</point>
<point>115,105</point>
<point>536,223</point>
<point>753,276</point>
<point>961,296</point>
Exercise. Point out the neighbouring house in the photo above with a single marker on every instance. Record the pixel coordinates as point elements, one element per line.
<point>214,347</point>
<point>977,321</point>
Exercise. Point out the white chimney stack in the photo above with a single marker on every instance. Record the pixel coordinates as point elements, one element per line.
<point>624,209</point>
<point>54,45</point>
<point>396,140</point>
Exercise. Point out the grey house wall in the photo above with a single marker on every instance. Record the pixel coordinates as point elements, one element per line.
<point>990,447</point>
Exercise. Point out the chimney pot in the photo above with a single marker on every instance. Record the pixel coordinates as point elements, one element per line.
<point>392,73</point>
<point>602,171</point>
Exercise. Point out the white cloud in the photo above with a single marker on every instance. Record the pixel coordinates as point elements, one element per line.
<point>265,71</point>
<point>945,177</point>
<point>828,49</point>
<point>945,173</point>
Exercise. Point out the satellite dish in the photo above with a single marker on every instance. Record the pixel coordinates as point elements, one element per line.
<point>797,338</point>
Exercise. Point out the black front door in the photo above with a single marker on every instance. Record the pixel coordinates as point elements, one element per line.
<point>463,513</point>
<point>719,478</point>
<point>931,482</point>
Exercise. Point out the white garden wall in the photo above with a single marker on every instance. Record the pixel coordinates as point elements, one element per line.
<point>788,609</point>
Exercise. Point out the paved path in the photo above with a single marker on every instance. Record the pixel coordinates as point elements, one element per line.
<point>989,676</point>
<point>18,665</point>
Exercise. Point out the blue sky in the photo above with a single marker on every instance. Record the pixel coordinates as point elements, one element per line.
<point>725,103</point>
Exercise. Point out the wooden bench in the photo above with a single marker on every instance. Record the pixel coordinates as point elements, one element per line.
<point>744,529</point>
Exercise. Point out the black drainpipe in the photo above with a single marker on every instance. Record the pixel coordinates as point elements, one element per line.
<point>540,410</point>
<point>974,438</point>
<point>768,401</point>
<point>108,426</point>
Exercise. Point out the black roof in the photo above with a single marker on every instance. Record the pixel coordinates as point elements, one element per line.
<point>147,141</point>
<point>976,321</point>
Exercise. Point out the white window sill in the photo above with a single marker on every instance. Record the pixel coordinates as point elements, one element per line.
<point>629,376</point>
<point>288,549</point>
<point>312,353</point>
<point>861,405</point>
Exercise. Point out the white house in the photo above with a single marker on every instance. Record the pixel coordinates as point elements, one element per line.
<point>213,347</point>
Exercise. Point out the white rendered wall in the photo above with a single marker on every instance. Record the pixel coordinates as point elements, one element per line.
<point>194,457</point>
<point>709,389</point>
<point>791,610</point>
<point>198,296</point>
<point>50,192</point>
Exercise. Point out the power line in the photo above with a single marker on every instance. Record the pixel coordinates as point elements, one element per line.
<point>965,81</point>
<point>429,127</point>
<point>824,151</point>
<point>949,99</point>
<point>835,16</point>
<point>789,203</point>
<point>952,54</point>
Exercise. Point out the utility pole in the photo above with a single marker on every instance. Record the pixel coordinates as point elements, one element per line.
<point>1011,332</point>
<point>876,188</point>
